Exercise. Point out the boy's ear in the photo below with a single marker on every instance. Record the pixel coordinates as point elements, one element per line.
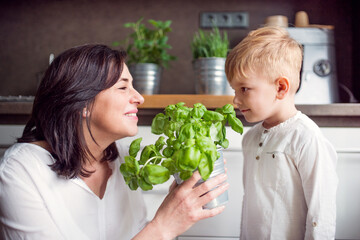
<point>282,86</point>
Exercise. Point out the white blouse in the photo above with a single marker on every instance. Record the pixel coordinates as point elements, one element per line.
<point>35,203</point>
<point>290,182</point>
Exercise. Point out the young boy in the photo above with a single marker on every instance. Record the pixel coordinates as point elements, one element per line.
<point>289,173</point>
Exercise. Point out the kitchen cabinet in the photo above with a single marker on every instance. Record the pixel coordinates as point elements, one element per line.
<point>347,145</point>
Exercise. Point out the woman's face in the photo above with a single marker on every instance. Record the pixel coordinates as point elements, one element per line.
<point>113,115</point>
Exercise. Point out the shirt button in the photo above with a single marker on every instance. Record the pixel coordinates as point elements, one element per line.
<point>273,156</point>
<point>314,224</point>
<point>266,131</point>
<point>260,144</point>
<point>257,157</point>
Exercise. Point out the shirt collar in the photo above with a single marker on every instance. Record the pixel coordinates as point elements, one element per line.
<point>282,125</point>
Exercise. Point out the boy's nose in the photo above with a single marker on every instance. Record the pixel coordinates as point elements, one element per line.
<point>236,101</point>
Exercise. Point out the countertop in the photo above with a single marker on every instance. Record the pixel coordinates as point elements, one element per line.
<point>325,115</point>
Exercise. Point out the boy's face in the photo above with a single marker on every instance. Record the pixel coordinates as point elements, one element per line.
<point>255,97</point>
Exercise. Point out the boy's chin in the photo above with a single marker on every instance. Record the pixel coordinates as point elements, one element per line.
<point>252,120</point>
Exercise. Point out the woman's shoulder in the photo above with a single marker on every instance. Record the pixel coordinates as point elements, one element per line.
<point>24,155</point>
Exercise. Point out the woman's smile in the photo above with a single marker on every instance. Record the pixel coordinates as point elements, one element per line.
<point>132,114</point>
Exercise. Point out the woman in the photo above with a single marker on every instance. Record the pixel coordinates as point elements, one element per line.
<point>62,180</point>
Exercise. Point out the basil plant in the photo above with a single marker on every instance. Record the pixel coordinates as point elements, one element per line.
<point>188,142</point>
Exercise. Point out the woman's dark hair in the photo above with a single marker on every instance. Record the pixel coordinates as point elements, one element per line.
<point>69,85</point>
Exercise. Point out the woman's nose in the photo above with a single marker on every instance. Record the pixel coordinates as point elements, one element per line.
<point>137,97</point>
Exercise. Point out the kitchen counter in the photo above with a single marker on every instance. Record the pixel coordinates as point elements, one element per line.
<point>325,115</point>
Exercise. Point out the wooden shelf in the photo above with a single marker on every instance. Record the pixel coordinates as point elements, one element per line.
<point>327,115</point>
<point>160,101</point>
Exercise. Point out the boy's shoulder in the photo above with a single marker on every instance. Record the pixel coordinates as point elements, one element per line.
<point>304,124</point>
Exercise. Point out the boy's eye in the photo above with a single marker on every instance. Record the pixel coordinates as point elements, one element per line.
<point>244,89</point>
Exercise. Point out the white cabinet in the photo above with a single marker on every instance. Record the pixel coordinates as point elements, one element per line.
<point>347,145</point>
<point>348,196</point>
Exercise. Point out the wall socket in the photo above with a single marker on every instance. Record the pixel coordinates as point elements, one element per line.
<point>224,19</point>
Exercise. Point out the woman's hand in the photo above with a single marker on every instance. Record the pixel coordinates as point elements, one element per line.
<point>182,207</point>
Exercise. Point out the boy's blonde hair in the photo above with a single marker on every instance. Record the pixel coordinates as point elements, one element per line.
<point>268,51</point>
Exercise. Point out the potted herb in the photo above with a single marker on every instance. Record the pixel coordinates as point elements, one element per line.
<point>147,53</point>
<point>189,140</point>
<point>209,50</point>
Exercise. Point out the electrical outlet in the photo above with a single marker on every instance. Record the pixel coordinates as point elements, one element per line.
<point>224,19</point>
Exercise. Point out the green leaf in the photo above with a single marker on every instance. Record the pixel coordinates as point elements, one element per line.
<point>206,166</point>
<point>168,151</point>
<point>170,165</point>
<point>133,185</point>
<point>158,123</point>
<point>185,175</point>
<point>132,164</point>
<point>156,174</point>
<point>144,185</point>
<point>205,144</point>
<point>159,144</point>
<point>186,132</point>
<point>149,44</point>
<point>216,131</point>
<point>235,124</point>
<point>181,113</point>
<point>228,108</point>
<point>149,151</point>
<point>135,147</point>
<point>210,44</point>
<point>169,110</point>
<point>189,143</point>
<point>198,110</point>
<point>126,171</point>
<point>190,159</point>
<point>177,144</point>
<point>213,116</point>
<point>224,143</point>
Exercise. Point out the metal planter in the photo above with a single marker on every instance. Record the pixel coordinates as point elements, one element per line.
<point>219,168</point>
<point>146,77</point>
<point>210,77</point>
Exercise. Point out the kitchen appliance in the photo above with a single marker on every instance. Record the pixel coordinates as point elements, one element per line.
<point>318,80</point>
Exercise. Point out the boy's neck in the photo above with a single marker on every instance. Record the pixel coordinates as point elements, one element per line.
<point>284,113</point>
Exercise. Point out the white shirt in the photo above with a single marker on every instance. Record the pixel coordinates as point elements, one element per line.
<point>35,203</point>
<point>290,182</point>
